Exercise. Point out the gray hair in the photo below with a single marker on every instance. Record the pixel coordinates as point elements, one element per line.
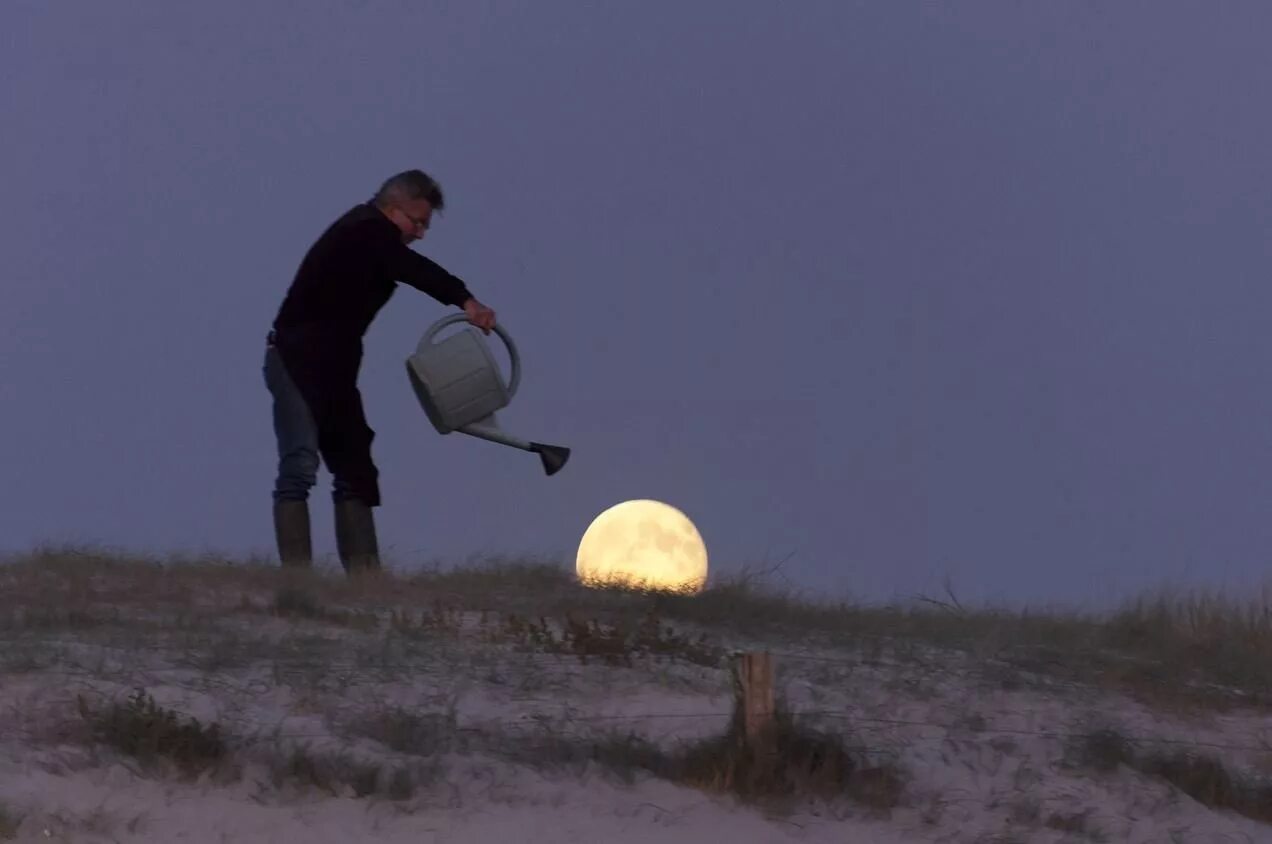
<point>410,184</point>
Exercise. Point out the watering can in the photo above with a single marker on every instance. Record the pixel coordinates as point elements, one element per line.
<point>460,387</point>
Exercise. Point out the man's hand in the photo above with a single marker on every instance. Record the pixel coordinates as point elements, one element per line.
<point>479,315</point>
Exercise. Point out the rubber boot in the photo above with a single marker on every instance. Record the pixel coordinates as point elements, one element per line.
<point>291,532</point>
<point>355,537</point>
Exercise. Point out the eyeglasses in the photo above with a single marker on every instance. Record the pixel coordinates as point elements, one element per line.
<point>417,222</point>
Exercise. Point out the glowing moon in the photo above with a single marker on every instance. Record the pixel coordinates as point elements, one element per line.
<point>644,544</point>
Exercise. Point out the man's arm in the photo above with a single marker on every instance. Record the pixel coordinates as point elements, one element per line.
<point>426,275</point>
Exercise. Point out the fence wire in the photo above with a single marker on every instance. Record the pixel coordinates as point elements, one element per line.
<point>279,666</point>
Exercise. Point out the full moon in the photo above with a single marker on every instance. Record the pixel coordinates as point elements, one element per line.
<point>643,544</point>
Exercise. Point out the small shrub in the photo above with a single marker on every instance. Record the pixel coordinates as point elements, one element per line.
<point>294,602</point>
<point>1101,750</point>
<point>795,762</point>
<point>340,772</point>
<point>1075,822</point>
<point>405,731</point>
<point>438,619</point>
<point>612,644</point>
<point>792,761</point>
<point>1208,781</point>
<point>148,732</point>
<point>1202,777</point>
<point>9,823</point>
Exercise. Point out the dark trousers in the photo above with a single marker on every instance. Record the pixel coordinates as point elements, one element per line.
<point>318,418</point>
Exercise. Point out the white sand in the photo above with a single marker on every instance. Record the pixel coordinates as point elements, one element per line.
<point>980,764</point>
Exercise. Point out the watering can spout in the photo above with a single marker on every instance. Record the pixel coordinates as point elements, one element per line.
<point>552,456</point>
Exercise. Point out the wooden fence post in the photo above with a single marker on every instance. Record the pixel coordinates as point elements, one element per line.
<point>754,673</point>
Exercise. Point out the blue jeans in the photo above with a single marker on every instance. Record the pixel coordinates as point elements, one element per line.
<point>296,435</point>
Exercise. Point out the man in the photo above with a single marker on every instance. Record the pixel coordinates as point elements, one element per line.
<point>314,352</point>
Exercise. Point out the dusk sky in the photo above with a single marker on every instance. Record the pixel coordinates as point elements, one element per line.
<point>893,291</point>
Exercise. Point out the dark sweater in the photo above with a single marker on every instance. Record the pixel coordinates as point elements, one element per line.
<point>351,271</point>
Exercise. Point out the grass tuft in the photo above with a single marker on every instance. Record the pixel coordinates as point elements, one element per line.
<point>150,733</point>
<point>617,643</point>
<point>794,763</point>
<point>1203,777</point>
<point>407,731</point>
<point>10,823</point>
<point>339,774</point>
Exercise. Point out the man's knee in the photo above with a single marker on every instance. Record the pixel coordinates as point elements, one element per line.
<point>359,481</point>
<point>297,473</point>
<point>355,476</point>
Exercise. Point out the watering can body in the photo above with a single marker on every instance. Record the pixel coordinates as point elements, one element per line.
<point>457,380</point>
<point>460,387</point>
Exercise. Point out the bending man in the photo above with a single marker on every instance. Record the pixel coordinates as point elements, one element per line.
<point>314,352</point>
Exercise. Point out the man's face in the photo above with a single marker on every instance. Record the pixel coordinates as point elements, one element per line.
<point>412,217</point>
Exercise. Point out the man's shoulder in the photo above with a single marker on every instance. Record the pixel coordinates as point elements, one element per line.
<point>363,222</point>
<point>363,214</point>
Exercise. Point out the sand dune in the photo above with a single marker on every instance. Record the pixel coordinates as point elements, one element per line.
<point>456,708</point>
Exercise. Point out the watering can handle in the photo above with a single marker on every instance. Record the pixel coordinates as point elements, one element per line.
<point>514,379</point>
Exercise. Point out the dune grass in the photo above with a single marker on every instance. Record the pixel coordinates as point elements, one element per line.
<point>1166,650</point>
<point>1169,651</point>
<point>1202,775</point>
<point>797,763</point>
